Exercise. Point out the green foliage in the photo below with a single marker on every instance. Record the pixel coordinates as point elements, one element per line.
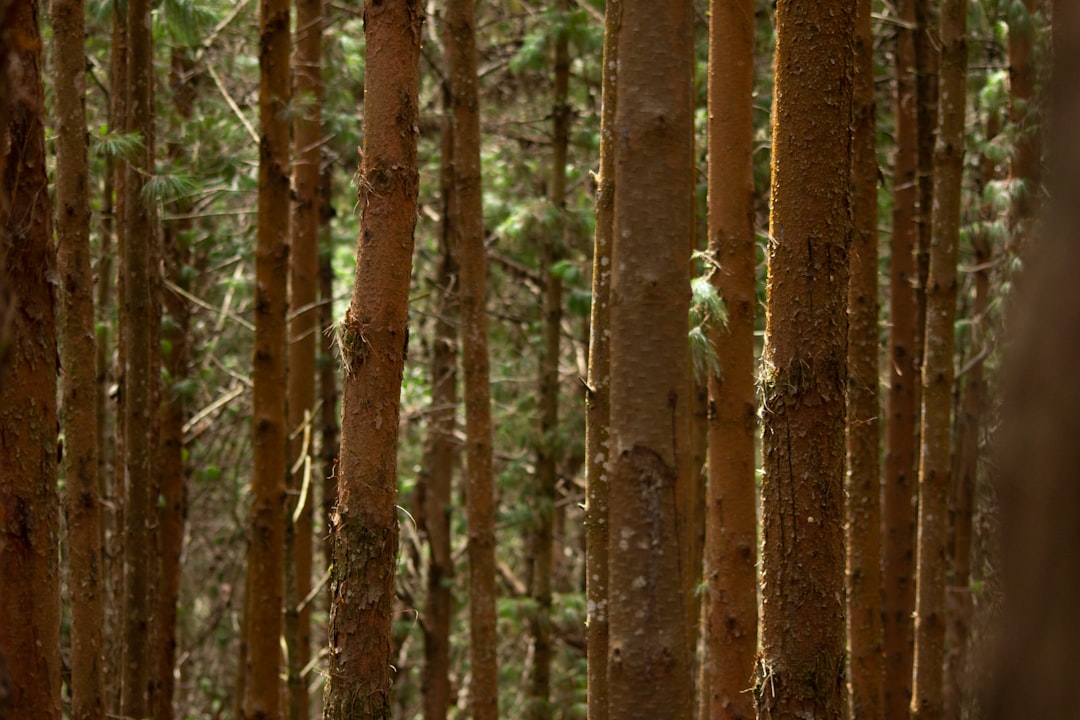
<point>169,187</point>
<point>707,312</point>
<point>116,144</point>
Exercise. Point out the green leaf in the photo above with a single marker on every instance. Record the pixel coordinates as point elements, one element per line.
<point>167,188</point>
<point>117,145</point>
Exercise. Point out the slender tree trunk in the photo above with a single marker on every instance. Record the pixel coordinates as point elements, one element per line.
<point>139,377</point>
<point>82,501</point>
<point>303,336</point>
<point>901,402</point>
<point>328,412</point>
<point>597,398</point>
<point>442,450</point>
<point>461,52</point>
<point>928,701</point>
<point>926,93</point>
<point>539,701</point>
<point>650,363</point>
<point>800,669</point>
<point>731,529</point>
<point>1026,159</point>
<point>266,548</point>
<point>29,516</point>
<point>865,635</point>
<point>374,340</point>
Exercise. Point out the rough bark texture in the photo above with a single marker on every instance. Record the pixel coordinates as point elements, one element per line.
<point>901,402</point>
<point>539,701</point>
<point>927,700</point>
<point>469,239</point>
<point>374,340</point>
<point>266,542</point>
<point>29,516</point>
<point>865,636</point>
<point>1026,159</point>
<point>926,94</point>
<point>82,497</point>
<point>597,400</point>
<point>303,337</point>
<point>648,664</point>
<point>140,378</point>
<point>328,411</point>
<point>441,454</point>
<point>800,669</point>
<point>731,520</point>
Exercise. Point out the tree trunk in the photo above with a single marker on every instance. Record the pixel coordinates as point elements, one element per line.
<point>800,669</point>
<point>461,52</point>
<point>29,517</point>
<point>374,340</point>
<point>865,635</point>
<point>539,702</point>
<point>266,548</point>
<point>328,410</point>
<point>598,397</point>
<point>650,363</point>
<point>926,93</point>
<point>1023,113</point>
<point>901,402</point>
<point>139,376</point>
<point>442,449</point>
<point>927,701</point>
<point>731,529</point>
<point>303,336</point>
<point>82,501</point>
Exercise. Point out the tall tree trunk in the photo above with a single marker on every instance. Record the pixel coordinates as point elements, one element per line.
<point>480,493</point>
<point>800,669</point>
<point>441,451</point>
<point>172,512</point>
<point>82,500</point>
<point>266,548</point>
<point>328,412</point>
<point>867,679</point>
<point>139,373</point>
<point>303,335</point>
<point>731,528</point>
<point>539,701</point>
<point>29,517</point>
<point>374,340</point>
<point>927,700</point>
<point>598,396</point>
<point>1026,159</point>
<point>901,406</point>
<point>650,363</point>
<point>926,94</point>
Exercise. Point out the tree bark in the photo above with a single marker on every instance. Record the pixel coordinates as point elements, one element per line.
<point>82,499</point>
<point>648,664</point>
<point>865,635</point>
<point>598,390</point>
<point>29,517</point>
<point>731,527</point>
<point>374,342</point>
<point>1023,113</point>
<point>927,700</point>
<point>139,373</point>
<point>480,493</point>
<point>901,405</point>
<point>800,670</point>
<point>303,336</point>
<point>266,548</point>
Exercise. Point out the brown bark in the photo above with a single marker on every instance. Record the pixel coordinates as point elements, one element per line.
<point>173,413</point>
<point>82,500</point>
<point>538,705</point>
<point>927,701</point>
<point>800,670</point>
<point>328,410</point>
<point>731,525</point>
<point>901,402</point>
<point>597,398</point>
<point>648,664</point>
<point>1023,113</point>
<point>374,341</point>
<point>865,636</point>
<point>139,372</point>
<point>442,450</point>
<point>29,518</point>
<point>266,548</point>
<point>480,493</point>
<point>926,93</point>
<point>303,335</point>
